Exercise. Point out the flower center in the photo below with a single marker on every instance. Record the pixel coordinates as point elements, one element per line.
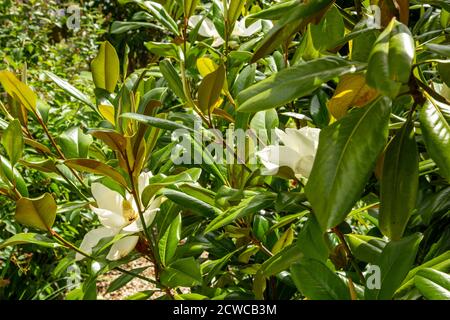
<point>128,212</point>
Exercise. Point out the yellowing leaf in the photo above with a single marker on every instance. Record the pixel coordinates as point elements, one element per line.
<point>18,90</point>
<point>352,90</point>
<point>106,68</point>
<point>107,111</point>
<point>205,66</point>
<point>39,212</point>
<point>210,89</point>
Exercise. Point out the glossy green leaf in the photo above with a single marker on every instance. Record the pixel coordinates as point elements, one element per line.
<point>68,88</point>
<point>436,134</point>
<point>246,207</point>
<point>74,143</point>
<point>317,282</point>
<point>189,7</point>
<point>162,49</point>
<point>12,141</point>
<point>8,173</point>
<point>39,213</point>
<point>158,12</point>
<point>195,205</point>
<point>433,284</point>
<point>172,78</point>
<point>292,83</point>
<point>156,122</point>
<point>159,182</point>
<point>347,154</point>
<point>440,263</point>
<point>96,167</point>
<point>395,261</point>
<point>29,238</point>
<point>288,25</point>
<point>168,243</point>
<point>119,27</point>
<point>282,260</point>
<point>124,279</point>
<point>328,31</point>
<point>391,59</point>
<point>183,272</point>
<point>276,11</point>
<point>399,182</point>
<point>234,10</point>
<point>106,67</point>
<point>365,248</point>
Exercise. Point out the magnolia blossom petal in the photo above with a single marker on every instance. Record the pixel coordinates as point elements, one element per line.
<point>241,30</point>
<point>108,218</point>
<point>305,140</point>
<point>303,166</point>
<point>149,216</point>
<point>92,238</point>
<point>122,247</point>
<point>274,157</point>
<point>143,181</point>
<point>106,198</point>
<point>207,28</point>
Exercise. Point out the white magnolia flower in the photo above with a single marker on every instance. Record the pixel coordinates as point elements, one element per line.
<point>297,153</point>
<point>208,30</point>
<point>118,215</point>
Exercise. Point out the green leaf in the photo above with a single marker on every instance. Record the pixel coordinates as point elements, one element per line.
<point>168,243</point>
<point>162,49</point>
<point>158,12</point>
<point>391,59</point>
<point>234,11</point>
<point>276,11</point>
<point>443,50</point>
<point>71,90</point>
<point>119,27</point>
<point>282,260</point>
<point>74,143</point>
<point>365,248</point>
<point>173,79</point>
<point>395,261</point>
<point>288,25</point>
<point>29,238</point>
<point>399,182</point>
<point>292,83</point>
<point>182,273</point>
<point>440,263</point>
<point>96,167</point>
<point>436,134</point>
<point>8,173</point>
<point>39,213</point>
<point>347,153</point>
<point>106,68</point>
<point>311,241</point>
<point>433,284</point>
<point>12,140</point>
<point>18,90</point>
<point>195,205</point>
<point>124,279</point>
<point>157,183</point>
<point>246,207</point>
<point>189,7</point>
<point>210,89</point>
<point>317,282</point>
<point>330,30</point>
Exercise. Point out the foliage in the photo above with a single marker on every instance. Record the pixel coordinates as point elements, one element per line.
<point>359,211</point>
